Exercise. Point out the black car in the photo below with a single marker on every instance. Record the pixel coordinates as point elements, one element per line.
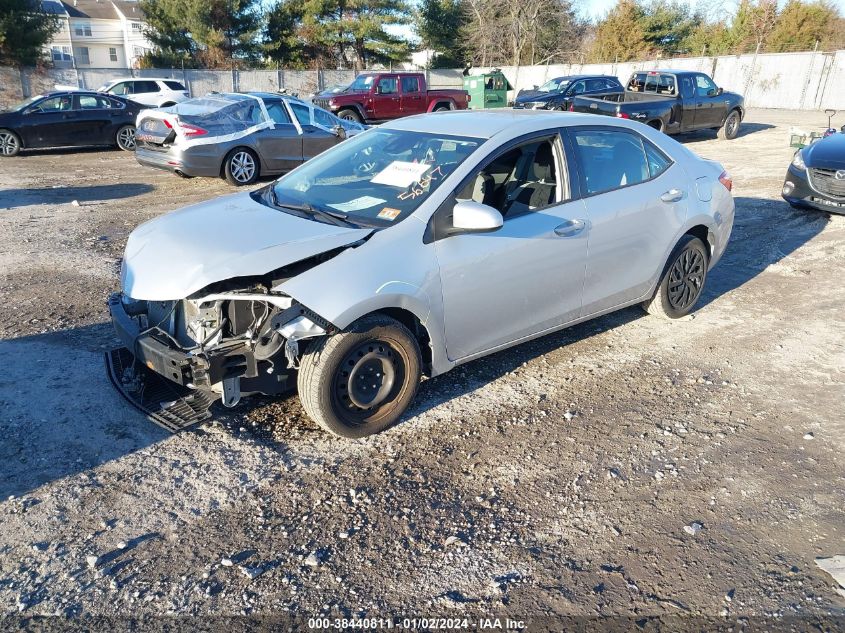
<point>67,119</point>
<point>557,93</point>
<point>816,177</point>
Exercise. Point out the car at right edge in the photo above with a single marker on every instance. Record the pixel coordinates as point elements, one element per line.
<point>407,250</point>
<point>815,178</point>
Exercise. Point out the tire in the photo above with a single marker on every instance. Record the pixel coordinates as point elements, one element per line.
<point>373,346</point>
<point>686,272</point>
<point>442,109</point>
<point>240,167</point>
<point>10,143</point>
<point>349,114</point>
<point>125,138</point>
<point>730,128</point>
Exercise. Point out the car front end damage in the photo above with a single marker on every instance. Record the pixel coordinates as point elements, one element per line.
<point>215,345</point>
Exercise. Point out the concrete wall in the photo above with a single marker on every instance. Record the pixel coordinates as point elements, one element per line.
<point>806,81</point>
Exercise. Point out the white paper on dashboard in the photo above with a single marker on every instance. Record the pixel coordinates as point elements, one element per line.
<point>364,202</point>
<point>400,174</point>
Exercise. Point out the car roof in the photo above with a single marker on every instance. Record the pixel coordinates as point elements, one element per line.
<point>576,77</point>
<point>668,71</point>
<point>57,93</point>
<point>114,81</point>
<point>486,124</point>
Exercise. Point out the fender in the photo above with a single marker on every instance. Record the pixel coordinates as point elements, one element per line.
<point>437,101</point>
<point>353,106</point>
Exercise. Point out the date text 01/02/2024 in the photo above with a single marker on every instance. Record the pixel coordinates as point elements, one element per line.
<point>425,624</point>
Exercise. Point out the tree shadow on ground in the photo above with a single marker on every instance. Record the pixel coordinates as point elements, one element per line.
<point>84,195</point>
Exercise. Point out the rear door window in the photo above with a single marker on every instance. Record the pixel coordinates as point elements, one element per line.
<point>174,85</point>
<point>90,102</point>
<point>658,162</point>
<point>610,159</point>
<point>142,87</point>
<point>410,84</point>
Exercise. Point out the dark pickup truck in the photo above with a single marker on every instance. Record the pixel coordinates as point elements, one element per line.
<point>671,101</point>
<point>376,97</point>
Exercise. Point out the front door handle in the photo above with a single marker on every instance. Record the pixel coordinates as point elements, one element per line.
<point>673,195</point>
<point>570,228</point>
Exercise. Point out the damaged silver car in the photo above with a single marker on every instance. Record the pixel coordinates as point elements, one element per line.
<point>407,250</point>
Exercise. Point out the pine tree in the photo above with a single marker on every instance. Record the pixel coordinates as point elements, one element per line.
<point>620,36</point>
<point>24,31</point>
<point>438,24</point>
<point>802,25</point>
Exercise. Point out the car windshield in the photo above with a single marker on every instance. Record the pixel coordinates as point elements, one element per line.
<point>362,82</point>
<point>555,85</point>
<point>374,179</point>
<point>23,104</point>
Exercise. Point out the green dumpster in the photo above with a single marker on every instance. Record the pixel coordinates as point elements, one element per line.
<point>489,90</point>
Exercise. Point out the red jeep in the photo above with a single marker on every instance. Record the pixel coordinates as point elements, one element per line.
<point>375,97</point>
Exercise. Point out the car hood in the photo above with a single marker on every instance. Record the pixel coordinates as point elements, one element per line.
<point>179,253</point>
<point>533,95</point>
<point>827,153</point>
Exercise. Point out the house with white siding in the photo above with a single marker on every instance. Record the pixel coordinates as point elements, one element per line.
<point>97,34</point>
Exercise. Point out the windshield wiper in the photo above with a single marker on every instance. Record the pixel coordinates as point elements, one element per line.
<point>334,217</point>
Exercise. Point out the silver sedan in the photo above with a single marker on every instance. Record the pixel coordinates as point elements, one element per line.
<point>411,249</point>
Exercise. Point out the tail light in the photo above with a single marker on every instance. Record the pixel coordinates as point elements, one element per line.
<point>191,130</point>
<point>622,115</point>
<point>725,179</point>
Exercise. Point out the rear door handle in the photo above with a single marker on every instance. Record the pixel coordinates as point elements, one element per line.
<point>570,228</point>
<point>673,195</point>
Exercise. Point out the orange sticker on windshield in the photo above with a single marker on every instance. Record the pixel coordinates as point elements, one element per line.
<point>389,214</point>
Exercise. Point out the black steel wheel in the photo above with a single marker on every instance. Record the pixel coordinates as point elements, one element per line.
<point>360,381</point>
<point>730,129</point>
<point>10,143</point>
<point>683,280</point>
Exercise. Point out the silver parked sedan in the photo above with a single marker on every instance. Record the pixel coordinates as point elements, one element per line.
<point>410,249</point>
<point>237,136</point>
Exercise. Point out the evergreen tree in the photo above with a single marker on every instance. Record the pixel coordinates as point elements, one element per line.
<point>620,36</point>
<point>438,24</point>
<point>24,31</point>
<point>801,25</point>
<point>667,26</point>
<point>213,33</point>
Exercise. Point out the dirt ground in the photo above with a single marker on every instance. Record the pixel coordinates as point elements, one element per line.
<point>553,479</point>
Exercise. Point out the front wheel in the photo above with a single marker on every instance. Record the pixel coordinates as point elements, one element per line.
<point>125,138</point>
<point>240,167</point>
<point>350,115</point>
<point>730,129</point>
<point>10,143</point>
<point>360,381</point>
<point>682,283</point>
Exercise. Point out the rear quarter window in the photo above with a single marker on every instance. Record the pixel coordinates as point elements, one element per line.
<point>174,85</point>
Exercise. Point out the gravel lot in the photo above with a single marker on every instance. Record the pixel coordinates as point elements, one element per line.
<point>552,479</point>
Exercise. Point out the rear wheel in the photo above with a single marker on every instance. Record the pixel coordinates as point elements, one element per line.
<point>350,115</point>
<point>360,381</point>
<point>682,283</point>
<point>730,129</point>
<point>240,167</point>
<point>442,108</point>
<point>10,143</point>
<point>125,138</point>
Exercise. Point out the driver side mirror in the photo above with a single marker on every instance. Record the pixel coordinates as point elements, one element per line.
<point>536,86</point>
<point>339,131</point>
<point>469,216</point>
